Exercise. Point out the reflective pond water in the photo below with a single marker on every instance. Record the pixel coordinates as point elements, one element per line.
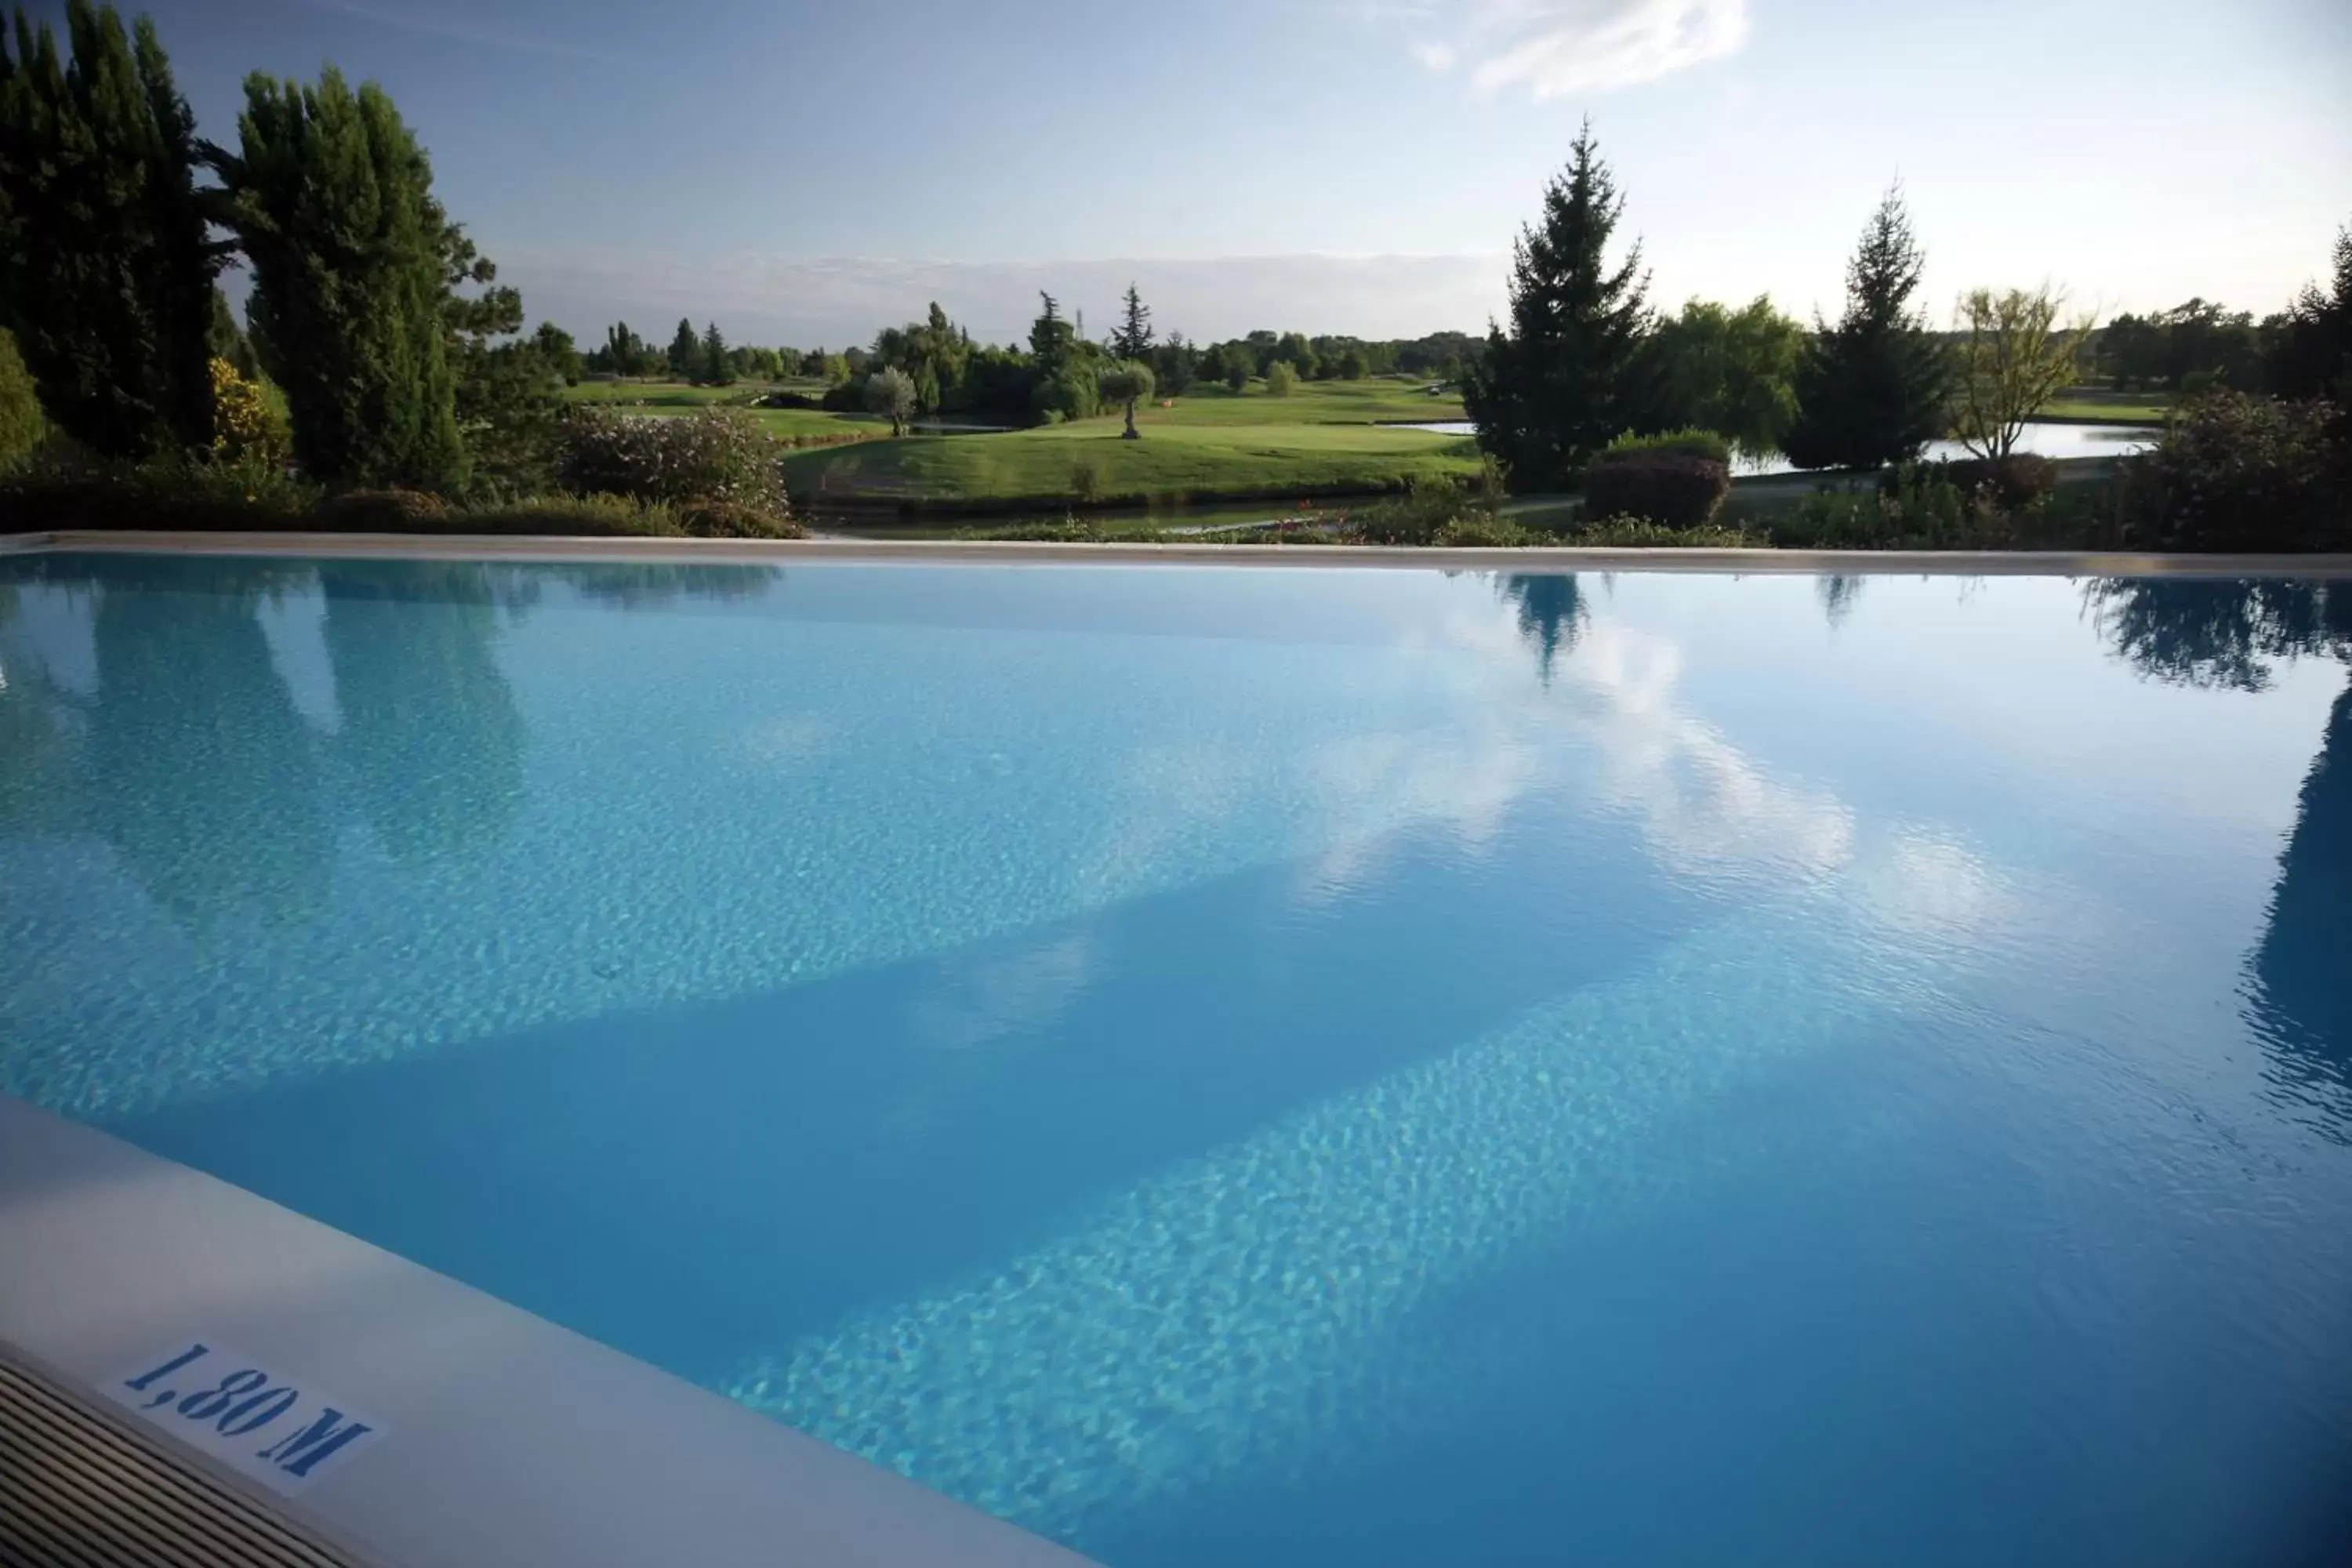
<point>2041,439</point>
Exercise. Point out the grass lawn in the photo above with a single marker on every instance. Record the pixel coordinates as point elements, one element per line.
<point>2094,404</point>
<point>1088,462</point>
<point>1314,403</point>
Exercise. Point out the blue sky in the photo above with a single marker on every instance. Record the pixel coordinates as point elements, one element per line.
<point>806,173</point>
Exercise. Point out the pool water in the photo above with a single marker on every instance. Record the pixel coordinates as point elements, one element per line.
<point>1270,1067</point>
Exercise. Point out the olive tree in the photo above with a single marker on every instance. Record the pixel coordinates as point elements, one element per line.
<point>1129,382</point>
<point>891,394</point>
<point>2015,354</point>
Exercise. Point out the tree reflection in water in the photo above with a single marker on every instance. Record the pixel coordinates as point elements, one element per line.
<point>2235,635</point>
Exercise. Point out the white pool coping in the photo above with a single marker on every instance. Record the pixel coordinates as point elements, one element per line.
<point>504,1440</point>
<point>999,553</point>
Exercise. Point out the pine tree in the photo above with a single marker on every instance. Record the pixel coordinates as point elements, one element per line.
<point>1562,383</point>
<point>1871,390</point>
<point>332,200</point>
<point>1051,338</point>
<point>717,369</point>
<point>685,351</point>
<point>1133,339</point>
<point>106,269</point>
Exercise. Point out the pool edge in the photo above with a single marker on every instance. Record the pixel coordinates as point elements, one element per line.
<point>1974,563</point>
<point>504,1438</point>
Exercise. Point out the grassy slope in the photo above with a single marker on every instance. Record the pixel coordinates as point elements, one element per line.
<point>1321,439</point>
<point>2090,404</point>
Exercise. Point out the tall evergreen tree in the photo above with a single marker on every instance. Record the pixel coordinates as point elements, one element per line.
<point>2313,357</point>
<point>685,351</point>
<point>1871,390</point>
<point>1051,338</point>
<point>331,201</point>
<point>1562,381</point>
<point>718,369</point>
<point>1133,339</point>
<point>106,268</point>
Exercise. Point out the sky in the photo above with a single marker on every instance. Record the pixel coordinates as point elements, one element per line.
<point>806,172</point>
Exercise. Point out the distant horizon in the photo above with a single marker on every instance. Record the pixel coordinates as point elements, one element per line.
<point>808,175</point>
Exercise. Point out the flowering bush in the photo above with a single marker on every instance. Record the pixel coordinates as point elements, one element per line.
<point>244,425</point>
<point>718,454</point>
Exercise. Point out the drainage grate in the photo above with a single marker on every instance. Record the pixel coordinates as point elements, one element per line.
<point>76,1489</point>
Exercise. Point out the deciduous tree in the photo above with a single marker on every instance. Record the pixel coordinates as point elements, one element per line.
<point>2015,354</point>
<point>1130,382</point>
<point>891,394</point>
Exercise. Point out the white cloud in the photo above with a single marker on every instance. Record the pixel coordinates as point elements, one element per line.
<point>1436,56</point>
<point>1556,46</point>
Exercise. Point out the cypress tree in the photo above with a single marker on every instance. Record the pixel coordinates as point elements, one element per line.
<point>332,200</point>
<point>1871,390</point>
<point>717,368</point>
<point>685,351</point>
<point>106,268</point>
<point>1562,383</point>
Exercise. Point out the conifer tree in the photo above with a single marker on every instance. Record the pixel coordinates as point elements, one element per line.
<point>1133,339</point>
<point>1871,390</point>
<point>106,269</point>
<point>1562,381</point>
<point>332,200</point>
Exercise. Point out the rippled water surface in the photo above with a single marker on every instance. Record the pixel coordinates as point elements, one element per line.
<point>1274,1066</point>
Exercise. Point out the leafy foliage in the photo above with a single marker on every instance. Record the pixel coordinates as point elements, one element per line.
<point>1689,442</point>
<point>1281,378</point>
<point>1561,382</point>
<point>331,198</point>
<point>243,422</point>
<point>106,269</point>
<point>2014,357</point>
<point>1731,371</point>
<point>891,394</point>
<point>23,427</point>
<point>2235,471</point>
<point>1870,389</point>
<point>1127,383</point>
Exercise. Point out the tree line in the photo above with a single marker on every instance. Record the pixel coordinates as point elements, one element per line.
<point>1583,360</point>
<point>400,358</point>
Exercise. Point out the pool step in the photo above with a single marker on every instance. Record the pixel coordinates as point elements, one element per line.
<point>76,1487</point>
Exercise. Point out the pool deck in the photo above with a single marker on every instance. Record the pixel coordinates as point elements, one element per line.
<point>995,553</point>
<point>495,1439</point>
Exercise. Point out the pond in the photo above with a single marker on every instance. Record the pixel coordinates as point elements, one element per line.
<point>2045,440</point>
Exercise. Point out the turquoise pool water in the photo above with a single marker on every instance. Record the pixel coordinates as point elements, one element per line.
<point>1273,1066</point>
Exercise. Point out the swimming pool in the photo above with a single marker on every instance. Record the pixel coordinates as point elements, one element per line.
<point>1243,1066</point>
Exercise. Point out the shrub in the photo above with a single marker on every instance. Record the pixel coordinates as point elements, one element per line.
<point>1426,509</point>
<point>733,520</point>
<point>2016,482</point>
<point>245,421</point>
<point>1281,378</point>
<point>712,455</point>
<point>384,511</point>
<point>1671,487</point>
<point>1086,479</point>
<point>1486,531</point>
<point>1918,507</point>
<point>1066,397</point>
<point>2238,472</point>
<point>1684,443</point>
<point>599,516</point>
<point>173,493</point>
<point>1641,533</point>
